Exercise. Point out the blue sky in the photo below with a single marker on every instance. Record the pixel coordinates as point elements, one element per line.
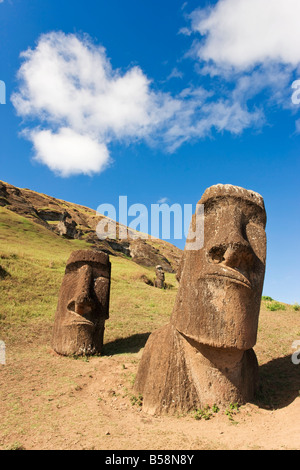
<point>157,100</point>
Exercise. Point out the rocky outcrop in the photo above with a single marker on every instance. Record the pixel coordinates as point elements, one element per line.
<point>76,221</point>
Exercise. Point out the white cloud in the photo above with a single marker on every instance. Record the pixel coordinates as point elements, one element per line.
<point>251,49</point>
<point>75,105</point>
<point>67,152</point>
<point>68,84</point>
<point>175,73</point>
<point>244,33</point>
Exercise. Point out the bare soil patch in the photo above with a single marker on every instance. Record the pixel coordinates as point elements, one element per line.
<point>53,402</point>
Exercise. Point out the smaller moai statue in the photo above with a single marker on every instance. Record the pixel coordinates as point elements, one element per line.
<point>160,278</point>
<point>83,304</point>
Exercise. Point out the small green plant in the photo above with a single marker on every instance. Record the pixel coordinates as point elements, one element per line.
<point>206,413</point>
<point>266,297</point>
<point>296,307</point>
<point>16,446</point>
<point>231,411</point>
<point>234,406</point>
<point>136,400</point>
<point>274,306</point>
<point>215,408</point>
<point>82,358</point>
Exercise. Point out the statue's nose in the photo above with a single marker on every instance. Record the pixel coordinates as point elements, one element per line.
<point>231,254</point>
<point>238,256</point>
<point>82,302</point>
<point>231,246</point>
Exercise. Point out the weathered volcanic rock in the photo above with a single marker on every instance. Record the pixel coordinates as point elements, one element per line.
<point>83,305</point>
<point>205,356</point>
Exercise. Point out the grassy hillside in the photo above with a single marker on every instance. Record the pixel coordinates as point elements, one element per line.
<point>33,262</point>
<point>49,212</point>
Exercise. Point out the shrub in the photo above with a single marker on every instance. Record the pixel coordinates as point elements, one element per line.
<point>274,306</point>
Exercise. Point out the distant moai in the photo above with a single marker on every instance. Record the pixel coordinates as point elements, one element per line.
<point>204,356</point>
<point>160,278</point>
<point>83,305</point>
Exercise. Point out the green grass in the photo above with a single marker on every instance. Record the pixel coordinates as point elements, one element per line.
<point>33,260</point>
<point>273,306</point>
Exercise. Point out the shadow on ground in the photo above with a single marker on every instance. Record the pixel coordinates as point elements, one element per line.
<point>279,383</point>
<point>132,344</point>
<point>3,273</point>
<point>279,379</point>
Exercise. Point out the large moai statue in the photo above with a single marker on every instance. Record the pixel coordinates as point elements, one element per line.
<point>83,305</point>
<point>204,356</point>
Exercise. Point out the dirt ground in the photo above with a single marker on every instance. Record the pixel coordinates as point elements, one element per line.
<point>52,402</point>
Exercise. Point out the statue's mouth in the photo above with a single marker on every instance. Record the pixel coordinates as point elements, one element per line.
<point>77,315</point>
<point>79,320</point>
<point>232,275</point>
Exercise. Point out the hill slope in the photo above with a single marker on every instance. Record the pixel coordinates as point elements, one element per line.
<point>78,222</point>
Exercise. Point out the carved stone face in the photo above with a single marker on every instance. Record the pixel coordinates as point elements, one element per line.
<point>83,304</point>
<point>160,273</point>
<point>221,284</point>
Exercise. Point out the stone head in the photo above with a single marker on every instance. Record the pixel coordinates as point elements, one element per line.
<point>160,272</point>
<point>83,304</point>
<point>221,284</point>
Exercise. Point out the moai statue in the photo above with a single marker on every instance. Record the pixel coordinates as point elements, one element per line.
<point>204,356</point>
<point>160,278</point>
<point>83,304</point>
